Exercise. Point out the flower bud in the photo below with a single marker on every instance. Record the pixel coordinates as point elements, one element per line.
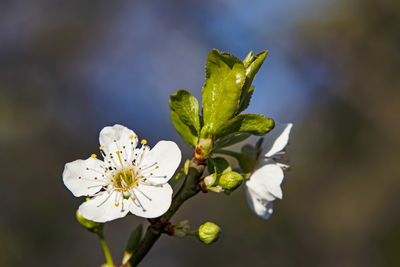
<point>92,226</point>
<point>209,233</point>
<point>210,180</point>
<point>230,181</point>
<point>181,228</point>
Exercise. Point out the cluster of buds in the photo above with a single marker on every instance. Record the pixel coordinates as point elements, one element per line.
<point>221,177</point>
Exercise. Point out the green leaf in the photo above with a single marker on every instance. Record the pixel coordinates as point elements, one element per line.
<point>133,243</point>
<point>230,140</point>
<point>219,165</point>
<point>249,58</point>
<point>225,76</point>
<point>245,101</point>
<point>187,108</point>
<point>254,124</point>
<point>253,65</point>
<point>185,131</point>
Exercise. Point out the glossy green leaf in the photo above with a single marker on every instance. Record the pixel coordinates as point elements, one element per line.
<point>225,76</point>
<point>253,65</point>
<point>187,108</point>
<point>249,58</point>
<point>230,140</point>
<point>245,99</point>
<point>187,133</point>
<point>254,124</point>
<point>218,165</point>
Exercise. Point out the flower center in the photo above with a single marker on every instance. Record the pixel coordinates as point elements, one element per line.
<point>125,179</point>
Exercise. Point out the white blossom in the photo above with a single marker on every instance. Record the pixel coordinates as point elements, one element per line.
<point>264,185</point>
<point>128,179</point>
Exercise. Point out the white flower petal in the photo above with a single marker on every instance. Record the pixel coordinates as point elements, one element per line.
<point>84,177</point>
<point>266,181</point>
<point>277,139</point>
<point>103,208</point>
<point>160,164</point>
<point>259,206</point>
<point>118,138</point>
<point>151,201</point>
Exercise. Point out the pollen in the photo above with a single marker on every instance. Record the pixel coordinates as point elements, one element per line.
<point>93,156</point>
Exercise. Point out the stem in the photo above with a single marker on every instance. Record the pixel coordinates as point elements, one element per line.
<point>189,189</point>
<point>106,250</point>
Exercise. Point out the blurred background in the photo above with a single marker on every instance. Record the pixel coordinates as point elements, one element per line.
<point>69,68</point>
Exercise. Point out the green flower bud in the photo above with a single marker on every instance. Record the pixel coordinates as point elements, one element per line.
<point>209,233</point>
<point>230,181</point>
<point>92,226</point>
<point>210,180</point>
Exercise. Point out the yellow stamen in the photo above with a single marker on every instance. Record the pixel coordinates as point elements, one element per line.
<point>131,137</point>
<point>94,156</point>
<point>144,141</point>
<point>116,204</point>
<point>101,147</point>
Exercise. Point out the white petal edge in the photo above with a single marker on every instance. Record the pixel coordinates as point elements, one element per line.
<point>167,155</point>
<point>155,200</point>
<point>266,181</point>
<point>261,207</point>
<point>83,177</point>
<point>118,138</point>
<point>277,139</point>
<point>102,208</point>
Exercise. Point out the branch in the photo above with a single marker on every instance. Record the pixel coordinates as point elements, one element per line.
<point>189,189</point>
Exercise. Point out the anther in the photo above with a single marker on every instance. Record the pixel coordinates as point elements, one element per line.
<point>116,204</point>
<point>79,177</point>
<point>101,147</point>
<point>95,178</point>
<point>93,156</point>
<point>144,141</point>
<point>131,137</point>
